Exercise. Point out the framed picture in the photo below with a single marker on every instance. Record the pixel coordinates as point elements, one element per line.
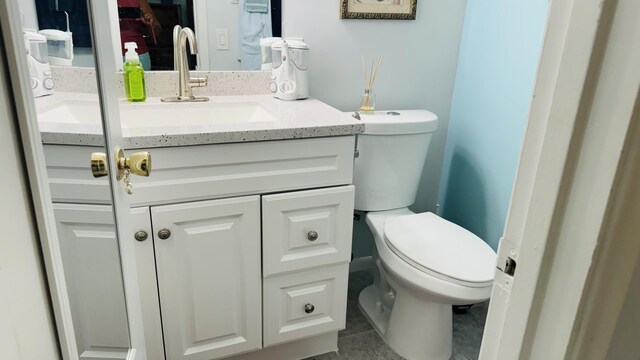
<point>379,9</point>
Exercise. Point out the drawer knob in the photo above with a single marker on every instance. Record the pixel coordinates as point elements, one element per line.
<point>164,234</point>
<point>141,235</point>
<point>309,308</point>
<point>312,236</point>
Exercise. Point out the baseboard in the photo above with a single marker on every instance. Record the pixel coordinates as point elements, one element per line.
<point>361,264</point>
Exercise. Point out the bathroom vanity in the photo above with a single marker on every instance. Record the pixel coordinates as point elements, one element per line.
<point>242,231</point>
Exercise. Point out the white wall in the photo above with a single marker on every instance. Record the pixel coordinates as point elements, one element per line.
<point>26,325</point>
<point>418,69</point>
<point>29,14</point>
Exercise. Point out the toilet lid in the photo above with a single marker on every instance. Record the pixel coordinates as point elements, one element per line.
<point>441,248</point>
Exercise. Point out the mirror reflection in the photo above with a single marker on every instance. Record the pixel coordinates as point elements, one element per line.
<point>231,33</point>
<point>82,205</point>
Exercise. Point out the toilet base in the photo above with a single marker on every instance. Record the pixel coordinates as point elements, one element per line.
<point>371,307</point>
<point>414,328</point>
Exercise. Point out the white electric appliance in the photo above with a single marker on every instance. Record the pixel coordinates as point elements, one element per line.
<point>265,52</point>
<point>59,45</point>
<point>290,77</point>
<point>38,59</point>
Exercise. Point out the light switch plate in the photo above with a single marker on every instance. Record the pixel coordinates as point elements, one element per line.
<point>222,39</point>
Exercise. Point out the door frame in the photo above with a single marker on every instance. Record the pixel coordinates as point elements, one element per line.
<point>565,229</point>
<point>200,11</point>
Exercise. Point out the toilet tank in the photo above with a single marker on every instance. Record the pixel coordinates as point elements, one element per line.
<point>392,152</point>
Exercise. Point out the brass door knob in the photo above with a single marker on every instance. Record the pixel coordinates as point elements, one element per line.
<point>139,163</point>
<point>312,236</point>
<point>99,166</point>
<point>308,308</point>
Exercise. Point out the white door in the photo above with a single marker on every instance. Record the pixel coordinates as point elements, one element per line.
<point>208,264</point>
<point>94,281</point>
<point>571,175</point>
<point>89,249</point>
<point>109,93</point>
<point>102,41</point>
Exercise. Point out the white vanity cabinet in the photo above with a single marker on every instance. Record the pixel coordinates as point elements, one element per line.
<point>246,254</point>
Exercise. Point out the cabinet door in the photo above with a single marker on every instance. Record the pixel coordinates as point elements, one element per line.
<point>208,263</point>
<point>92,270</point>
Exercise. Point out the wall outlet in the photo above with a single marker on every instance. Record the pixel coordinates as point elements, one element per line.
<point>222,39</point>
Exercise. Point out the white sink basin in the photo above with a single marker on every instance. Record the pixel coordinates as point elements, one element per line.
<point>146,115</point>
<point>71,112</point>
<point>191,114</point>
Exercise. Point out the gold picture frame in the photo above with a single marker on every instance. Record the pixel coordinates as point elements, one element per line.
<point>378,9</point>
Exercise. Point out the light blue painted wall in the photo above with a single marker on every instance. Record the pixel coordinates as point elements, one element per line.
<point>496,72</point>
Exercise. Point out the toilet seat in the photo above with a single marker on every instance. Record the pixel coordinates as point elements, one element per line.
<point>441,249</point>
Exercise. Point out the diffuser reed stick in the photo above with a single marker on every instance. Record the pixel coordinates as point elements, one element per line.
<point>368,98</point>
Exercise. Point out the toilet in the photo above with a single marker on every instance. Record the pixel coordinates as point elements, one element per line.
<point>423,264</point>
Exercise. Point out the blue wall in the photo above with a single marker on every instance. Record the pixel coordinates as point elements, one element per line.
<point>496,72</point>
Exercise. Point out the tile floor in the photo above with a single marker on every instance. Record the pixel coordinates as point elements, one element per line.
<point>359,341</point>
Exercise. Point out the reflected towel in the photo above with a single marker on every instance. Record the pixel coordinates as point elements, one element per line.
<point>253,27</point>
<point>256,6</point>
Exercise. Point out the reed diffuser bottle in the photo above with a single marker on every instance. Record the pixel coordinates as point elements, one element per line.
<point>368,103</point>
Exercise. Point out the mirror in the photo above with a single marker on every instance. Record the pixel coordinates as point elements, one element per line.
<point>82,209</point>
<point>228,31</point>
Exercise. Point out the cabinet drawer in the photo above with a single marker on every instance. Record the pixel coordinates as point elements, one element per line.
<point>304,304</point>
<point>306,229</point>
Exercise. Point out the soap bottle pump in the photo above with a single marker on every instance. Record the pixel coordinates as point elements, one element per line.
<point>133,74</point>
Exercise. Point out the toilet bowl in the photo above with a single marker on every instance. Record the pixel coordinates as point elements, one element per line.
<point>410,302</point>
<point>423,264</point>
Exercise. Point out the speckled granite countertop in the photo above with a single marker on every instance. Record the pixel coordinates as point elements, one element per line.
<point>74,119</point>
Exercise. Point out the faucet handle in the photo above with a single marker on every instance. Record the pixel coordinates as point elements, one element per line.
<point>198,82</point>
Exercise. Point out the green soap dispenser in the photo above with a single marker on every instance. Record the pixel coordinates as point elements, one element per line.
<point>133,74</point>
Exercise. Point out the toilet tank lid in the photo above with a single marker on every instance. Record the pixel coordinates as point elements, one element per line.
<point>399,122</point>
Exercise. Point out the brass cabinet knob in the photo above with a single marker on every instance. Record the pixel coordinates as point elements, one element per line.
<point>308,308</point>
<point>141,235</point>
<point>312,236</point>
<point>164,234</point>
<point>99,166</point>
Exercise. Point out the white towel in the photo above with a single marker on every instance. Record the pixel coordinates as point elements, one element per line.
<point>253,27</point>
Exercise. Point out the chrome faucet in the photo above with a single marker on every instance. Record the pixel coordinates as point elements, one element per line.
<point>185,81</point>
